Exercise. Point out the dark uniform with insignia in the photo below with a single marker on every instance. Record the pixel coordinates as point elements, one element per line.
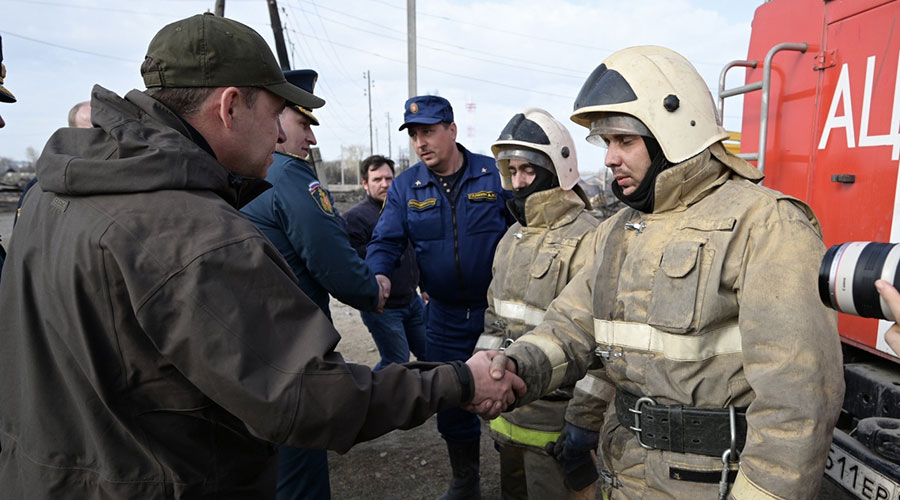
<point>298,216</point>
<point>454,224</point>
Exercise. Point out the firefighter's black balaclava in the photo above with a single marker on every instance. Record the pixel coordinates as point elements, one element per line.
<point>643,197</point>
<point>543,180</point>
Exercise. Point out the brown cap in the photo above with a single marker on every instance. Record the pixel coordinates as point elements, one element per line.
<point>210,51</point>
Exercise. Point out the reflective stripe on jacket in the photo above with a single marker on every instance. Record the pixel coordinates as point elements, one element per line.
<point>709,301</point>
<point>531,267</point>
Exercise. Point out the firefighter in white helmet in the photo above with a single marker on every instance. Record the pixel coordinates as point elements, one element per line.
<point>537,256</point>
<point>700,299</point>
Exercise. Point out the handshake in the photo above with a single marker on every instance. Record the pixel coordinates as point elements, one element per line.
<point>496,384</point>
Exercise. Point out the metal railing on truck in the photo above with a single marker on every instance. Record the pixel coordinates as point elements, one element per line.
<point>764,85</point>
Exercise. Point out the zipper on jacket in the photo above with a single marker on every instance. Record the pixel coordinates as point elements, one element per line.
<point>459,274</point>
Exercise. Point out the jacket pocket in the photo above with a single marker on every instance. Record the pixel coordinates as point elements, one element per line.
<point>484,213</point>
<point>675,288</point>
<point>424,218</point>
<point>545,270</point>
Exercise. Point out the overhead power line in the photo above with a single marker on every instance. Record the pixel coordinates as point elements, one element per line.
<point>466,77</point>
<point>532,36</point>
<point>90,7</point>
<point>593,48</point>
<point>537,66</point>
<point>338,62</point>
<point>64,47</point>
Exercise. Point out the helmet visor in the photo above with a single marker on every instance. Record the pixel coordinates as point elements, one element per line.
<point>615,124</point>
<point>532,157</point>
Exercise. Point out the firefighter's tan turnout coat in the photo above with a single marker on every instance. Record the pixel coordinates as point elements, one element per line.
<point>709,301</point>
<point>531,267</point>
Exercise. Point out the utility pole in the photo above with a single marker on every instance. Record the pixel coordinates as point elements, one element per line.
<point>411,46</point>
<point>220,8</point>
<point>278,33</point>
<point>388,115</point>
<point>369,93</point>
<point>411,61</point>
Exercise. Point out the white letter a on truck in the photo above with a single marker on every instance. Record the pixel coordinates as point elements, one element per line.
<point>841,92</point>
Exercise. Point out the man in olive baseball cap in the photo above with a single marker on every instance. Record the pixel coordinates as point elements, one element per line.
<point>155,343</point>
<point>210,51</point>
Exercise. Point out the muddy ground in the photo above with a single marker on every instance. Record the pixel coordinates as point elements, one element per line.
<point>402,464</point>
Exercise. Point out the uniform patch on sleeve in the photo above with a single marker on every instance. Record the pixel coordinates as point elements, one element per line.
<point>483,196</point>
<point>320,196</point>
<point>423,204</point>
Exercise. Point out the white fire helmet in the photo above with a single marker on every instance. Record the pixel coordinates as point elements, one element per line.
<point>662,90</point>
<point>538,138</point>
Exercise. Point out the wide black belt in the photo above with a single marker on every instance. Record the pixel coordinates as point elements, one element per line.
<point>702,431</point>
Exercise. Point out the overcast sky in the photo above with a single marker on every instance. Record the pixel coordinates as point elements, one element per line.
<point>495,57</point>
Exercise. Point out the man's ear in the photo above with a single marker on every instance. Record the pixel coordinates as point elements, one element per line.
<point>453,130</point>
<point>228,103</point>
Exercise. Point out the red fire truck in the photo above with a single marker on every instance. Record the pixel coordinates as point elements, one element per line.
<point>821,118</point>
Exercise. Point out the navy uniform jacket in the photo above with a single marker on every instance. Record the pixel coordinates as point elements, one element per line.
<point>454,245</point>
<point>361,220</point>
<point>298,217</point>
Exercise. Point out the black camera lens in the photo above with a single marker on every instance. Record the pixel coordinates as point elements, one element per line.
<point>848,273</point>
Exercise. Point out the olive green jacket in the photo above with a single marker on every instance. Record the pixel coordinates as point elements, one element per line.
<point>154,343</point>
<point>709,301</point>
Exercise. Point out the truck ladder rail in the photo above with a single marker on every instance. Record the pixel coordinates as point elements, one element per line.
<point>763,85</point>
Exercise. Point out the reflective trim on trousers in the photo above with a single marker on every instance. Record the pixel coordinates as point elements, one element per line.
<point>745,488</point>
<point>523,435</point>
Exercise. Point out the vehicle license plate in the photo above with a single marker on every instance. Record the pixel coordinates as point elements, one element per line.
<point>858,477</point>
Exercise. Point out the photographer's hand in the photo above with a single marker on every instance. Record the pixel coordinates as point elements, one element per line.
<point>892,297</point>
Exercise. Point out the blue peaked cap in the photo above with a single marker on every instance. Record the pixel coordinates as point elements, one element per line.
<point>306,80</point>
<point>428,110</point>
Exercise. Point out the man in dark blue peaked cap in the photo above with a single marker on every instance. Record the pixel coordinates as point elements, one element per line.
<point>305,79</point>
<point>297,214</point>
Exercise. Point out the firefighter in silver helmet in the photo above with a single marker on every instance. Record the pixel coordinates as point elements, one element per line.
<point>537,256</point>
<point>700,300</point>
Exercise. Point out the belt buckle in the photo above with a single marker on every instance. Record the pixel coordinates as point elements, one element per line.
<point>636,410</point>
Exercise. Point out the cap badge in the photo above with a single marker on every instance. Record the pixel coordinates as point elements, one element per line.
<point>413,108</point>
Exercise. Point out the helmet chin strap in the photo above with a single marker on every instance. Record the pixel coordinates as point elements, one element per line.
<point>643,197</point>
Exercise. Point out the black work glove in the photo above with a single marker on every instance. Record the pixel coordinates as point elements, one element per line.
<point>573,452</point>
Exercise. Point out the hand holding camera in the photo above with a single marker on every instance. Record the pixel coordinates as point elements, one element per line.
<point>892,297</point>
<point>854,274</point>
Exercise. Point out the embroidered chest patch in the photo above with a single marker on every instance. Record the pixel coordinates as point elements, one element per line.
<point>320,196</point>
<point>482,196</point>
<point>423,204</point>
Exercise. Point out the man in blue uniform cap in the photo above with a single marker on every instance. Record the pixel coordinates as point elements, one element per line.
<point>297,214</point>
<point>451,207</point>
